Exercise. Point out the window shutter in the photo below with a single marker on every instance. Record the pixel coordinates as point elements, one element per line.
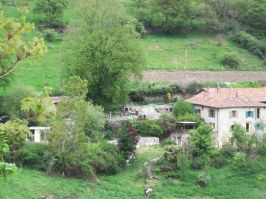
<point>247,114</point>
<point>253,114</point>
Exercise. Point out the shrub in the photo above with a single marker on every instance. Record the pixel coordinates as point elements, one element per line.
<point>102,158</point>
<point>200,162</point>
<point>167,142</point>
<point>168,123</point>
<point>217,159</point>
<point>10,103</point>
<point>51,35</point>
<point>149,128</point>
<point>127,142</point>
<point>231,61</point>
<point>183,163</point>
<point>240,160</point>
<point>193,88</point>
<point>203,179</point>
<point>136,97</point>
<point>182,107</point>
<point>250,43</point>
<point>34,155</point>
<point>151,91</point>
<point>261,148</point>
<point>201,140</point>
<point>172,152</point>
<point>228,151</point>
<point>242,141</point>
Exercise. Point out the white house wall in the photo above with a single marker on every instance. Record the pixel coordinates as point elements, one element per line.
<point>223,120</point>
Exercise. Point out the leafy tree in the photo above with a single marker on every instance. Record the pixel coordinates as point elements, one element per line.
<point>10,103</point>
<point>14,49</point>
<point>182,107</point>
<point>252,13</point>
<point>201,139</point>
<point>51,10</point>
<point>12,135</point>
<point>107,54</point>
<point>76,123</point>
<point>169,15</point>
<point>40,109</point>
<point>242,140</point>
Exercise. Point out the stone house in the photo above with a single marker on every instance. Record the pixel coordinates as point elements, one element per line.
<point>225,107</point>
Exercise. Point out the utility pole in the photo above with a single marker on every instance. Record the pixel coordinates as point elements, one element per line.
<point>186,65</point>
<point>61,71</point>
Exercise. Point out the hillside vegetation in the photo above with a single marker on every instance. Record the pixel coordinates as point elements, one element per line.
<point>225,183</point>
<point>162,51</point>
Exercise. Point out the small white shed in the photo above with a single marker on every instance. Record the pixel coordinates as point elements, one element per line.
<point>39,133</point>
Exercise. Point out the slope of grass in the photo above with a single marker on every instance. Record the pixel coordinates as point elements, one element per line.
<point>205,52</point>
<point>225,183</point>
<point>162,52</point>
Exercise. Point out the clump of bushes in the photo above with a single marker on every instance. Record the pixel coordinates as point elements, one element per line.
<point>138,95</point>
<point>51,35</point>
<point>182,107</point>
<point>167,142</point>
<point>172,152</point>
<point>167,122</point>
<point>149,128</point>
<point>34,156</point>
<point>230,61</point>
<point>250,43</point>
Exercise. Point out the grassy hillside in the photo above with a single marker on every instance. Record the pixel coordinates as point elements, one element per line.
<point>162,52</point>
<point>225,183</point>
<point>205,52</point>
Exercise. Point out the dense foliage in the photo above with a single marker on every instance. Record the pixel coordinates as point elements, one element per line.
<point>51,11</point>
<point>149,128</point>
<point>106,52</point>
<point>182,107</point>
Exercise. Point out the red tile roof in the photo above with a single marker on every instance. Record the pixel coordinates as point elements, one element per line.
<point>230,97</point>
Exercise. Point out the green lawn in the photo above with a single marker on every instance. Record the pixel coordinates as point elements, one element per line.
<point>225,183</point>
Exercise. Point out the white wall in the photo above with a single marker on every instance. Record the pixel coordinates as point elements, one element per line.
<point>223,120</point>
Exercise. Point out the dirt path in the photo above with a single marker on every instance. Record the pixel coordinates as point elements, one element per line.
<point>202,76</point>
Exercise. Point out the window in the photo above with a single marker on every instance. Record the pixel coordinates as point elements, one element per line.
<point>197,111</point>
<point>211,113</point>
<point>250,114</point>
<point>232,127</point>
<point>258,113</point>
<point>233,114</point>
<point>247,127</point>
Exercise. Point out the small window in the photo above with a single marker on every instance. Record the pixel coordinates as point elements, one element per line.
<point>232,127</point>
<point>249,114</point>
<point>258,113</point>
<point>197,111</point>
<point>211,113</point>
<point>233,114</point>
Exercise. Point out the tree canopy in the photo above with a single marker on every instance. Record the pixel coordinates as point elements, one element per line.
<point>13,47</point>
<point>107,53</point>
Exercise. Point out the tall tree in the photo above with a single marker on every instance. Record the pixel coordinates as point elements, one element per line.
<point>13,47</point>
<point>107,53</point>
